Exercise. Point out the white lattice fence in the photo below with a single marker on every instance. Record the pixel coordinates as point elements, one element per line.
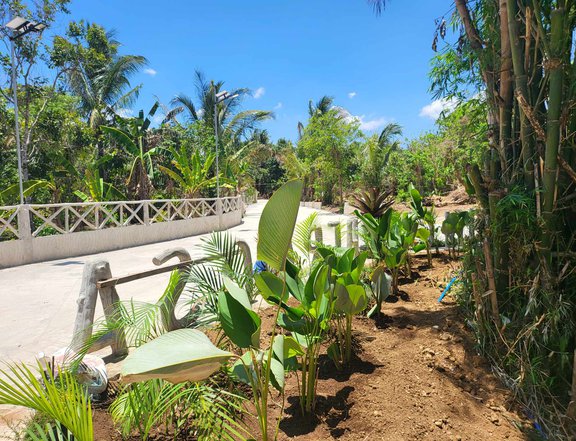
<point>9,222</point>
<point>57,219</point>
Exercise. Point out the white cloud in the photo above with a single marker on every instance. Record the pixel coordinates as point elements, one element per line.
<point>365,124</point>
<point>371,124</point>
<point>150,72</point>
<point>436,107</point>
<point>258,93</point>
<point>278,106</point>
<point>352,95</point>
<point>125,113</point>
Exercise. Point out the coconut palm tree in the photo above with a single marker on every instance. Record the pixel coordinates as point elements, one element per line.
<point>233,123</point>
<point>322,106</point>
<point>98,75</point>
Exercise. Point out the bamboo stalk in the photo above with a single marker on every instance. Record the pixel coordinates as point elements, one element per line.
<point>521,81</point>
<point>554,67</point>
<point>491,283</point>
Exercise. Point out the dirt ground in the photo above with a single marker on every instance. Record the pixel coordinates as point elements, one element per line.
<point>415,376</point>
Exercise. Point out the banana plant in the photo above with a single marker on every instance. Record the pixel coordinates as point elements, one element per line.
<point>188,354</point>
<point>425,216</point>
<point>191,174</point>
<point>132,136</point>
<point>11,192</point>
<point>453,229</point>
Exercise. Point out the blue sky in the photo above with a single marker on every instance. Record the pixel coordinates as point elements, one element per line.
<point>286,51</point>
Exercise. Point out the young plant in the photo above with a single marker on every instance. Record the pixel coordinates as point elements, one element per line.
<point>373,232</point>
<point>397,244</point>
<point>188,355</point>
<point>308,322</point>
<point>425,216</point>
<point>60,398</point>
<point>381,286</point>
<point>350,297</point>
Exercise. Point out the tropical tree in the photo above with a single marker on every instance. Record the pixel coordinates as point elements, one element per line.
<point>192,173</point>
<point>328,149</point>
<point>97,74</point>
<point>132,137</point>
<point>376,154</point>
<point>321,107</point>
<point>34,90</point>
<point>232,123</point>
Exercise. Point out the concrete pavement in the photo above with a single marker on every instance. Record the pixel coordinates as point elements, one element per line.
<point>38,301</point>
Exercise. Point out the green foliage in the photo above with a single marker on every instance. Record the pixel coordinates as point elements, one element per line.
<point>195,409</point>
<point>350,297</point>
<point>192,173</point>
<point>328,148</point>
<point>60,398</point>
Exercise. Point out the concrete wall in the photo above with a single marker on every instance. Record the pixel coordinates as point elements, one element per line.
<point>39,249</point>
<point>312,204</point>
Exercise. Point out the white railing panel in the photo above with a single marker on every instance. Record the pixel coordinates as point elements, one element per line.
<point>58,219</point>
<point>9,222</point>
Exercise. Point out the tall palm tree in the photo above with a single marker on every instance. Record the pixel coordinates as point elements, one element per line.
<point>377,154</point>
<point>322,106</point>
<point>233,123</point>
<point>378,5</point>
<point>100,77</point>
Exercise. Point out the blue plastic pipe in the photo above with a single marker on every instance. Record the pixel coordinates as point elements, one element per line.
<point>447,288</point>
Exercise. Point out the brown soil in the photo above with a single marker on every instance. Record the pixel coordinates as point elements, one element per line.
<point>415,376</point>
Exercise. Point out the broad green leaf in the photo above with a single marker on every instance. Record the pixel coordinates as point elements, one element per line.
<point>292,324</point>
<point>350,299</point>
<point>277,374</point>
<point>277,225</point>
<point>243,369</point>
<point>271,285</point>
<point>177,356</point>
<point>240,324</point>
<point>237,293</point>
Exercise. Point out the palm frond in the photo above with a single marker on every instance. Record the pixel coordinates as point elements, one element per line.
<point>208,413</point>
<point>303,232</point>
<point>62,399</point>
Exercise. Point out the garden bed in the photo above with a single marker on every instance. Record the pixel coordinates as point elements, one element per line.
<point>415,375</point>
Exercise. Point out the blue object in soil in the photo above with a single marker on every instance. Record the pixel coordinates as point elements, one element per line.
<point>447,288</point>
<point>260,266</point>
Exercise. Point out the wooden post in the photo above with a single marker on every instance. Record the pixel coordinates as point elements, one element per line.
<point>95,271</point>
